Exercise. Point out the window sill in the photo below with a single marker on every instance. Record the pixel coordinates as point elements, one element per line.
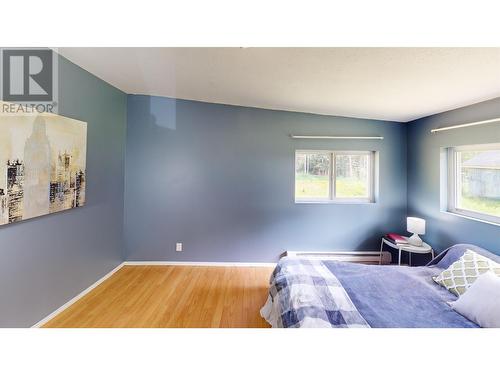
<point>334,202</point>
<point>463,216</point>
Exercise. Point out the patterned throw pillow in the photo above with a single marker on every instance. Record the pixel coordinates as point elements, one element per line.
<point>458,277</point>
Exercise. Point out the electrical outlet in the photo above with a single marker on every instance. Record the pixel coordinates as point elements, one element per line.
<point>178,246</point>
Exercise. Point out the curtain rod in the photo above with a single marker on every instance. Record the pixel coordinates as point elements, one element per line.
<point>330,137</point>
<point>484,122</point>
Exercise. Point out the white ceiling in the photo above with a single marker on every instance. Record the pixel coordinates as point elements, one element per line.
<point>398,84</point>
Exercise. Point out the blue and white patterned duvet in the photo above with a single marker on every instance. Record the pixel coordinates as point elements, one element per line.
<point>307,294</point>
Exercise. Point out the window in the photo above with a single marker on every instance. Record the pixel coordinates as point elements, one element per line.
<point>474,181</point>
<point>334,176</point>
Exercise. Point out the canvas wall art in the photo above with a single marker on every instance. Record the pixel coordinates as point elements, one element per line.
<point>42,165</point>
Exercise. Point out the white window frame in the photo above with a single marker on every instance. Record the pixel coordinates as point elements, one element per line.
<point>454,181</point>
<point>332,178</point>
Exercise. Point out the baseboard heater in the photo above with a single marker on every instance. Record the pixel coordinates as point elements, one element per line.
<point>344,256</point>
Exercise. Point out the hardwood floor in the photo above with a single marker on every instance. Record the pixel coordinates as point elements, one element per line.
<point>174,297</point>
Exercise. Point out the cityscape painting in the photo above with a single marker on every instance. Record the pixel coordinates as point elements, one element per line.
<point>42,165</point>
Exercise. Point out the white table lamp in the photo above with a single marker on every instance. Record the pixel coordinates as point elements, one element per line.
<point>416,226</point>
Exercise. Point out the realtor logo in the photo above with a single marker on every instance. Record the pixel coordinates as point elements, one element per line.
<point>29,77</point>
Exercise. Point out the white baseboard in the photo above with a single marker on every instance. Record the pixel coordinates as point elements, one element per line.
<point>198,264</point>
<point>144,263</point>
<point>76,298</point>
<point>344,256</point>
<point>193,264</point>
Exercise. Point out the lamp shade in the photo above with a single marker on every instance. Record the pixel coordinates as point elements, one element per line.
<point>415,225</point>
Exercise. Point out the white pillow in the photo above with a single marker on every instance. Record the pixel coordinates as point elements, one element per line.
<point>481,302</point>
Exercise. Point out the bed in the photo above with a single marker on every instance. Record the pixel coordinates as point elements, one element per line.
<point>310,292</point>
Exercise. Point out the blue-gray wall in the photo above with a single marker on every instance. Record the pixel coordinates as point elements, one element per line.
<point>46,261</point>
<point>220,179</point>
<point>444,229</point>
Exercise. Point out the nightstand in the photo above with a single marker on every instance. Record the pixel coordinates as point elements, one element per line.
<point>424,249</point>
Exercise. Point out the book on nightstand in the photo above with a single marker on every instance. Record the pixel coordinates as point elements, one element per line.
<point>396,238</point>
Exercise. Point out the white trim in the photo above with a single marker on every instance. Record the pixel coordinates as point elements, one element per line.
<point>466,125</point>
<point>344,256</point>
<point>372,177</point>
<point>484,218</point>
<point>454,184</point>
<point>77,297</point>
<point>470,218</point>
<point>349,256</point>
<point>332,137</point>
<point>478,147</point>
<point>333,252</point>
<point>335,201</point>
<point>451,181</point>
<point>144,263</point>
<point>480,167</point>
<point>197,264</point>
